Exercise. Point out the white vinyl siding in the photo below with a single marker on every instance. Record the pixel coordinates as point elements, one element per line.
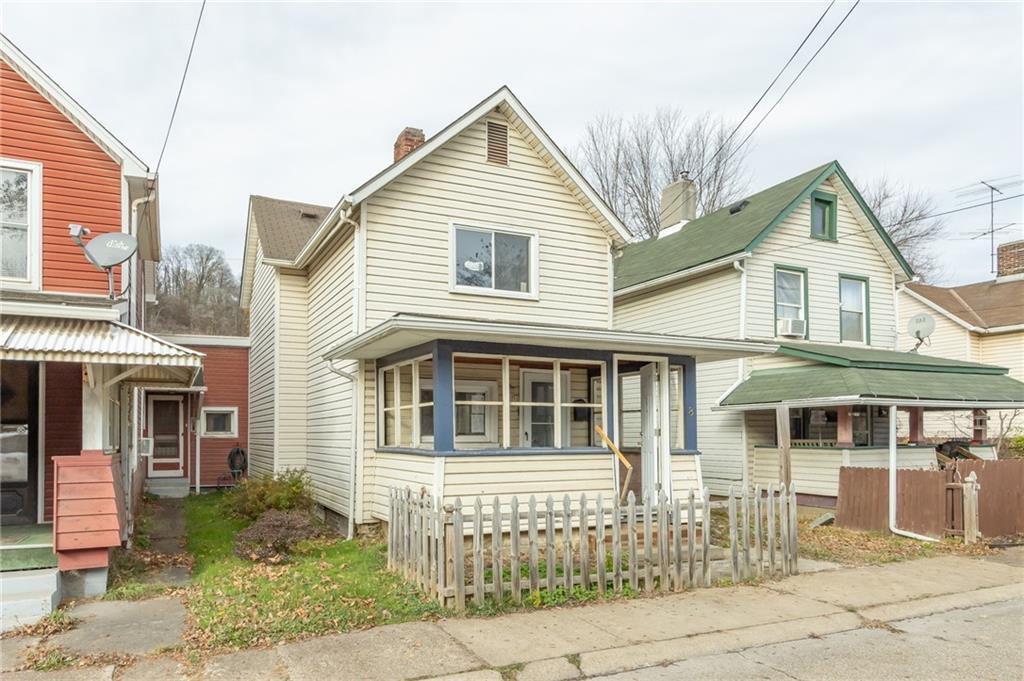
<point>262,334</point>
<point>291,395</point>
<point>706,306</point>
<point>408,234</point>
<point>719,433</point>
<point>855,251</point>
<point>330,434</point>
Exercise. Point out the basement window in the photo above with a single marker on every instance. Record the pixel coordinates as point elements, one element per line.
<point>494,261</point>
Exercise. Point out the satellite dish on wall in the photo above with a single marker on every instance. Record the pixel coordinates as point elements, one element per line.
<point>105,251</point>
<point>920,326</point>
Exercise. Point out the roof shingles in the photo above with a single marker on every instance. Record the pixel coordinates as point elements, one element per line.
<point>988,304</point>
<point>284,227</point>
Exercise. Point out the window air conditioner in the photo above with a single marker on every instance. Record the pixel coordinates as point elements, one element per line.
<point>791,327</point>
<point>145,446</point>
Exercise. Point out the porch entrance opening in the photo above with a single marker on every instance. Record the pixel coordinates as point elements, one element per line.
<point>19,442</point>
<point>640,424</point>
<point>167,430</point>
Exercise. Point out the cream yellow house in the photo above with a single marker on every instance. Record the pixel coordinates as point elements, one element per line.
<point>448,326</point>
<point>982,322</point>
<point>804,265</point>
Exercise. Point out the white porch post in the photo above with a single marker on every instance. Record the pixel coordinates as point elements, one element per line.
<point>93,411</point>
<point>782,428</point>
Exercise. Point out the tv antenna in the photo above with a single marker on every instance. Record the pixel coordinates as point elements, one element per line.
<point>105,251</point>
<point>991,187</point>
<point>920,326</point>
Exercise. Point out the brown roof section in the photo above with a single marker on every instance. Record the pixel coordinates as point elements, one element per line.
<point>284,227</point>
<point>988,304</point>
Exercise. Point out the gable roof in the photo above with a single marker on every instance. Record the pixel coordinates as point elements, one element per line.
<point>284,227</point>
<point>982,306</point>
<point>873,358</point>
<point>130,163</point>
<point>721,234</point>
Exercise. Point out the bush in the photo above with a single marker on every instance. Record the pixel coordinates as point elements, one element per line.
<point>287,491</point>
<point>273,536</point>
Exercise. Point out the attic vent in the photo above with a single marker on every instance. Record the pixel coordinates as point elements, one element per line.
<point>737,207</point>
<point>307,214</point>
<point>497,143</point>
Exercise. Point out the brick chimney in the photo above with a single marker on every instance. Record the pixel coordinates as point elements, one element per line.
<point>1010,259</point>
<point>407,141</point>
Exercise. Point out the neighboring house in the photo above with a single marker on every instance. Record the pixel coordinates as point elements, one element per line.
<point>982,322</point>
<point>195,429</point>
<point>73,359</point>
<point>806,265</point>
<point>447,327</point>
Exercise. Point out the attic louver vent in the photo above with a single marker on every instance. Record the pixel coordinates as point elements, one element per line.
<point>497,143</point>
<point>737,207</point>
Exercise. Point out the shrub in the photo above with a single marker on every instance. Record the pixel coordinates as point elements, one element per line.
<point>286,491</point>
<point>273,536</point>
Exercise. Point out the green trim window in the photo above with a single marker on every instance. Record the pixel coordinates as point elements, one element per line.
<point>854,310</point>
<point>791,301</point>
<point>823,215</point>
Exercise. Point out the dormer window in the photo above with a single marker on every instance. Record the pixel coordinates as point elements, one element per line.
<point>823,216</point>
<point>20,223</point>
<point>494,261</point>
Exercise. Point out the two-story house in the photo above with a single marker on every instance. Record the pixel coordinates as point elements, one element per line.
<point>804,264</point>
<point>980,322</point>
<point>73,355</point>
<point>447,326</point>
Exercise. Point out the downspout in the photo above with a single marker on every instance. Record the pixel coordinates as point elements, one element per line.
<point>353,379</point>
<point>892,482</point>
<point>199,431</point>
<point>741,369</point>
<point>133,294</point>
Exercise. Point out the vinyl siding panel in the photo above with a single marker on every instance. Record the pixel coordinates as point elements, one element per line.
<point>508,476</point>
<point>291,360</point>
<point>700,307</point>
<point>1005,350</point>
<point>950,340</point>
<point>330,426</point>
<point>386,470</point>
<point>262,367</point>
<point>854,252</point>
<point>408,233</point>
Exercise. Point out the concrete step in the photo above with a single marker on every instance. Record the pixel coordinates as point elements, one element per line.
<point>18,582</point>
<point>168,487</point>
<point>28,596</point>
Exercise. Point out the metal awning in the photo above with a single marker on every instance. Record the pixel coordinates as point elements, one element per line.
<point>826,385</point>
<point>89,341</point>
<point>404,331</point>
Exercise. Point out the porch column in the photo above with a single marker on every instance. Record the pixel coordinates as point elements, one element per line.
<point>93,411</point>
<point>690,403</point>
<point>444,400</point>
<point>916,425</point>
<point>782,431</point>
<point>980,431</point>
<point>844,426</point>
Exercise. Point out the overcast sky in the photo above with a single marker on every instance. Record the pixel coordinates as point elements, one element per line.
<point>303,101</point>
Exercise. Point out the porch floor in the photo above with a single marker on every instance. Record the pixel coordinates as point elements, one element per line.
<point>27,547</point>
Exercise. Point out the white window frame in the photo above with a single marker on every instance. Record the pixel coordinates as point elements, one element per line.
<point>561,427</point>
<point>863,310</point>
<point>802,289</point>
<point>35,225</point>
<point>218,410</point>
<point>454,287</point>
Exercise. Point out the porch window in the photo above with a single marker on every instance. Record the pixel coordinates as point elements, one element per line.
<point>20,223</point>
<point>494,261</point>
<point>853,309</point>
<point>219,422</point>
<point>406,405</point>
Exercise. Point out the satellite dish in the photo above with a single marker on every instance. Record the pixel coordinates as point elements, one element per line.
<point>110,250</point>
<point>921,326</point>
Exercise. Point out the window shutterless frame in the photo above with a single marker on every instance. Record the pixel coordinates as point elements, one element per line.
<point>827,202</point>
<point>534,261</point>
<point>34,229</point>
<point>233,415</point>
<point>865,321</point>
<point>804,311</point>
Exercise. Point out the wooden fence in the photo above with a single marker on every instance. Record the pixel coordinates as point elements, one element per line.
<point>502,549</point>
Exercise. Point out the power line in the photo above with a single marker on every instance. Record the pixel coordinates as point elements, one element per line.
<point>955,210</point>
<point>181,87</point>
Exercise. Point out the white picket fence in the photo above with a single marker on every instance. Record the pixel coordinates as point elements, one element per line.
<point>483,550</point>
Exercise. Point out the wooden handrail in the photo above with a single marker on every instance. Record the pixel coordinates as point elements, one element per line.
<point>625,462</point>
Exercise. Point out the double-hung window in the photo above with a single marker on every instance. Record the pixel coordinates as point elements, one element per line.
<point>790,296</point>
<point>20,223</point>
<point>853,309</point>
<point>494,261</point>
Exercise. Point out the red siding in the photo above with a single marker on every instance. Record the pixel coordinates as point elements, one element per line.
<point>88,519</point>
<point>81,182</point>
<point>226,371</point>
<point>63,425</point>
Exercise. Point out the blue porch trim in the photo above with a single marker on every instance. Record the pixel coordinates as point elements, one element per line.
<point>521,451</point>
<point>689,365</point>
<point>444,398</point>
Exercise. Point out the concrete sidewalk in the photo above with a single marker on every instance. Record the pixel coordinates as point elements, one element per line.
<point>614,637</point>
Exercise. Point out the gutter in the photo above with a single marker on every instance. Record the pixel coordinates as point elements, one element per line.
<point>682,274</point>
<point>354,380</point>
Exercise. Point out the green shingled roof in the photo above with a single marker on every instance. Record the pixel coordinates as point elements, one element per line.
<point>873,358</point>
<point>721,233</point>
<point>775,386</point>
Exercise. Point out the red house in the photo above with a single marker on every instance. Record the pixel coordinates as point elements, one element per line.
<point>75,360</point>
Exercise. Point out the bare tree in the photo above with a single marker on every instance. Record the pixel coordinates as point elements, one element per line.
<point>630,161</point>
<point>904,214</point>
<point>196,293</point>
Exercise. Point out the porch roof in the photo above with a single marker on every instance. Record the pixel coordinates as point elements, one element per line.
<point>89,341</point>
<point>408,330</point>
<point>823,385</point>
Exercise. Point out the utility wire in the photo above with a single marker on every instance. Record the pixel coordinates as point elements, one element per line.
<point>956,210</point>
<point>181,87</point>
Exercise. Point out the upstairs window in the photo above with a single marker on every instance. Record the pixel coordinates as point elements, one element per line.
<point>20,223</point>
<point>823,216</point>
<point>494,261</point>
<point>791,302</point>
<point>853,309</point>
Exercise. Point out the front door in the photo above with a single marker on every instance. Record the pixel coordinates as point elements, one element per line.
<point>19,437</point>
<point>650,428</point>
<point>166,429</point>
<point>538,420</point>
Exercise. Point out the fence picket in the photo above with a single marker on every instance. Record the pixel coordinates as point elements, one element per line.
<point>734,563</point>
<point>758,547</point>
<point>677,544</point>
<point>745,534</point>
<point>584,543</point>
<point>513,539</point>
<point>567,543</point>
<point>691,536</point>
<point>616,544</point>
<point>549,543</point>
<point>478,552</point>
<point>793,550</point>
<point>648,548</point>
<point>534,548</point>
<point>784,529</point>
<point>459,555</point>
<point>602,574</point>
<point>771,529</point>
<point>705,535</point>
<point>497,564</point>
<point>664,532</point>
<point>634,575</point>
